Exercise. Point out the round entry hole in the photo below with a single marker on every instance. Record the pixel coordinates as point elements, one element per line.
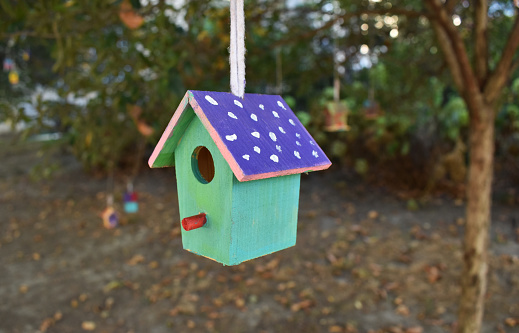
<point>202,164</point>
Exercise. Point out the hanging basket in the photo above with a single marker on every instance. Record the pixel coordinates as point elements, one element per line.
<point>336,117</point>
<point>371,109</point>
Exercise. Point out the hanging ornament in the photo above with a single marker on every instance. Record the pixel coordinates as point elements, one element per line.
<point>109,215</point>
<point>26,55</point>
<point>131,205</point>
<point>336,112</point>
<point>336,117</point>
<point>8,64</point>
<point>371,109</point>
<point>129,17</point>
<point>14,78</point>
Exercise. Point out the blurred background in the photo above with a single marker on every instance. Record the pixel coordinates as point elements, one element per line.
<point>87,89</point>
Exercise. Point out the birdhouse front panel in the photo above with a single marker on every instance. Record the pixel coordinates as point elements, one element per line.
<point>203,191</point>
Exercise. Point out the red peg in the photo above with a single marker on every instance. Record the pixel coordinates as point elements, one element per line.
<point>194,222</point>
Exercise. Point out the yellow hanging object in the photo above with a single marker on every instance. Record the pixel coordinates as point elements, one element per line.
<point>110,218</point>
<point>14,78</point>
<point>26,56</point>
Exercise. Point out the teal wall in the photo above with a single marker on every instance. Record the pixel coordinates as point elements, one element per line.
<point>264,216</point>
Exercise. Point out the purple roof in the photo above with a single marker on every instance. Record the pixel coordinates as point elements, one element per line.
<point>259,135</point>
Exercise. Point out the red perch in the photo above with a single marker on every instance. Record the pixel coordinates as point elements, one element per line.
<point>194,222</point>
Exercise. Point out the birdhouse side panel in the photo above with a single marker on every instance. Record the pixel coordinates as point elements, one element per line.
<point>212,198</point>
<point>264,216</point>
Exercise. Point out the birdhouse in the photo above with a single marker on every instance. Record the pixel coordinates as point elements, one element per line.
<point>238,166</point>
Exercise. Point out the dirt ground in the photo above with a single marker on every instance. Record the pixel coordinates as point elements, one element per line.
<point>363,262</point>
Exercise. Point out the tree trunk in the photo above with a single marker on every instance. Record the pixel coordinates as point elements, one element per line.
<point>475,247</point>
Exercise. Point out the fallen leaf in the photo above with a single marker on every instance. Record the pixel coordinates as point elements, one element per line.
<point>136,259</point>
<point>112,285</point>
<point>240,302</point>
<point>512,322</point>
<point>402,310</point>
<point>58,315</point>
<point>372,214</point>
<point>414,329</point>
<point>88,325</point>
<point>433,274</point>
<point>335,329</point>
<point>395,329</point>
<point>301,305</point>
<point>109,303</point>
<point>46,324</point>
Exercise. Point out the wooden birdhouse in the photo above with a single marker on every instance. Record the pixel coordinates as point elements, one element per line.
<point>238,164</point>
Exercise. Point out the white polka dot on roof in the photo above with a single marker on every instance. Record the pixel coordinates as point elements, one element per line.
<point>211,100</point>
<point>238,103</point>
<point>281,105</point>
<point>232,115</point>
<point>298,143</point>
<point>246,157</point>
<point>275,114</point>
<point>254,117</point>
<point>255,134</point>
<point>262,107</point>
<point>291,122</point>
<point>257,149</point>
<point>312,143</point>
<point>282,130</point>
<point>298,135</point>
<point>273,136</point>
<point>231,137</point>
<point>296,154</point>
<point>275,158</point>
<point>278,148</point>
<point>315,154</point>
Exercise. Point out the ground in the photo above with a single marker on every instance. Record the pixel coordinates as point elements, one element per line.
<point>363,261</point>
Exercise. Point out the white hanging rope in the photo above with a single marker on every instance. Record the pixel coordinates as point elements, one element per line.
<point>237,57</point>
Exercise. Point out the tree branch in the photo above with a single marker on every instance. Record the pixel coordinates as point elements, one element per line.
<point>347,16</point>
<point>450,5</point>
<point>481,41</point>
<point>449,55</point>
<point>458,47</point>
<point>498,77</point>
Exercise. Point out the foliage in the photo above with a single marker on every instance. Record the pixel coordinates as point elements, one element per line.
<point>101,68</point>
